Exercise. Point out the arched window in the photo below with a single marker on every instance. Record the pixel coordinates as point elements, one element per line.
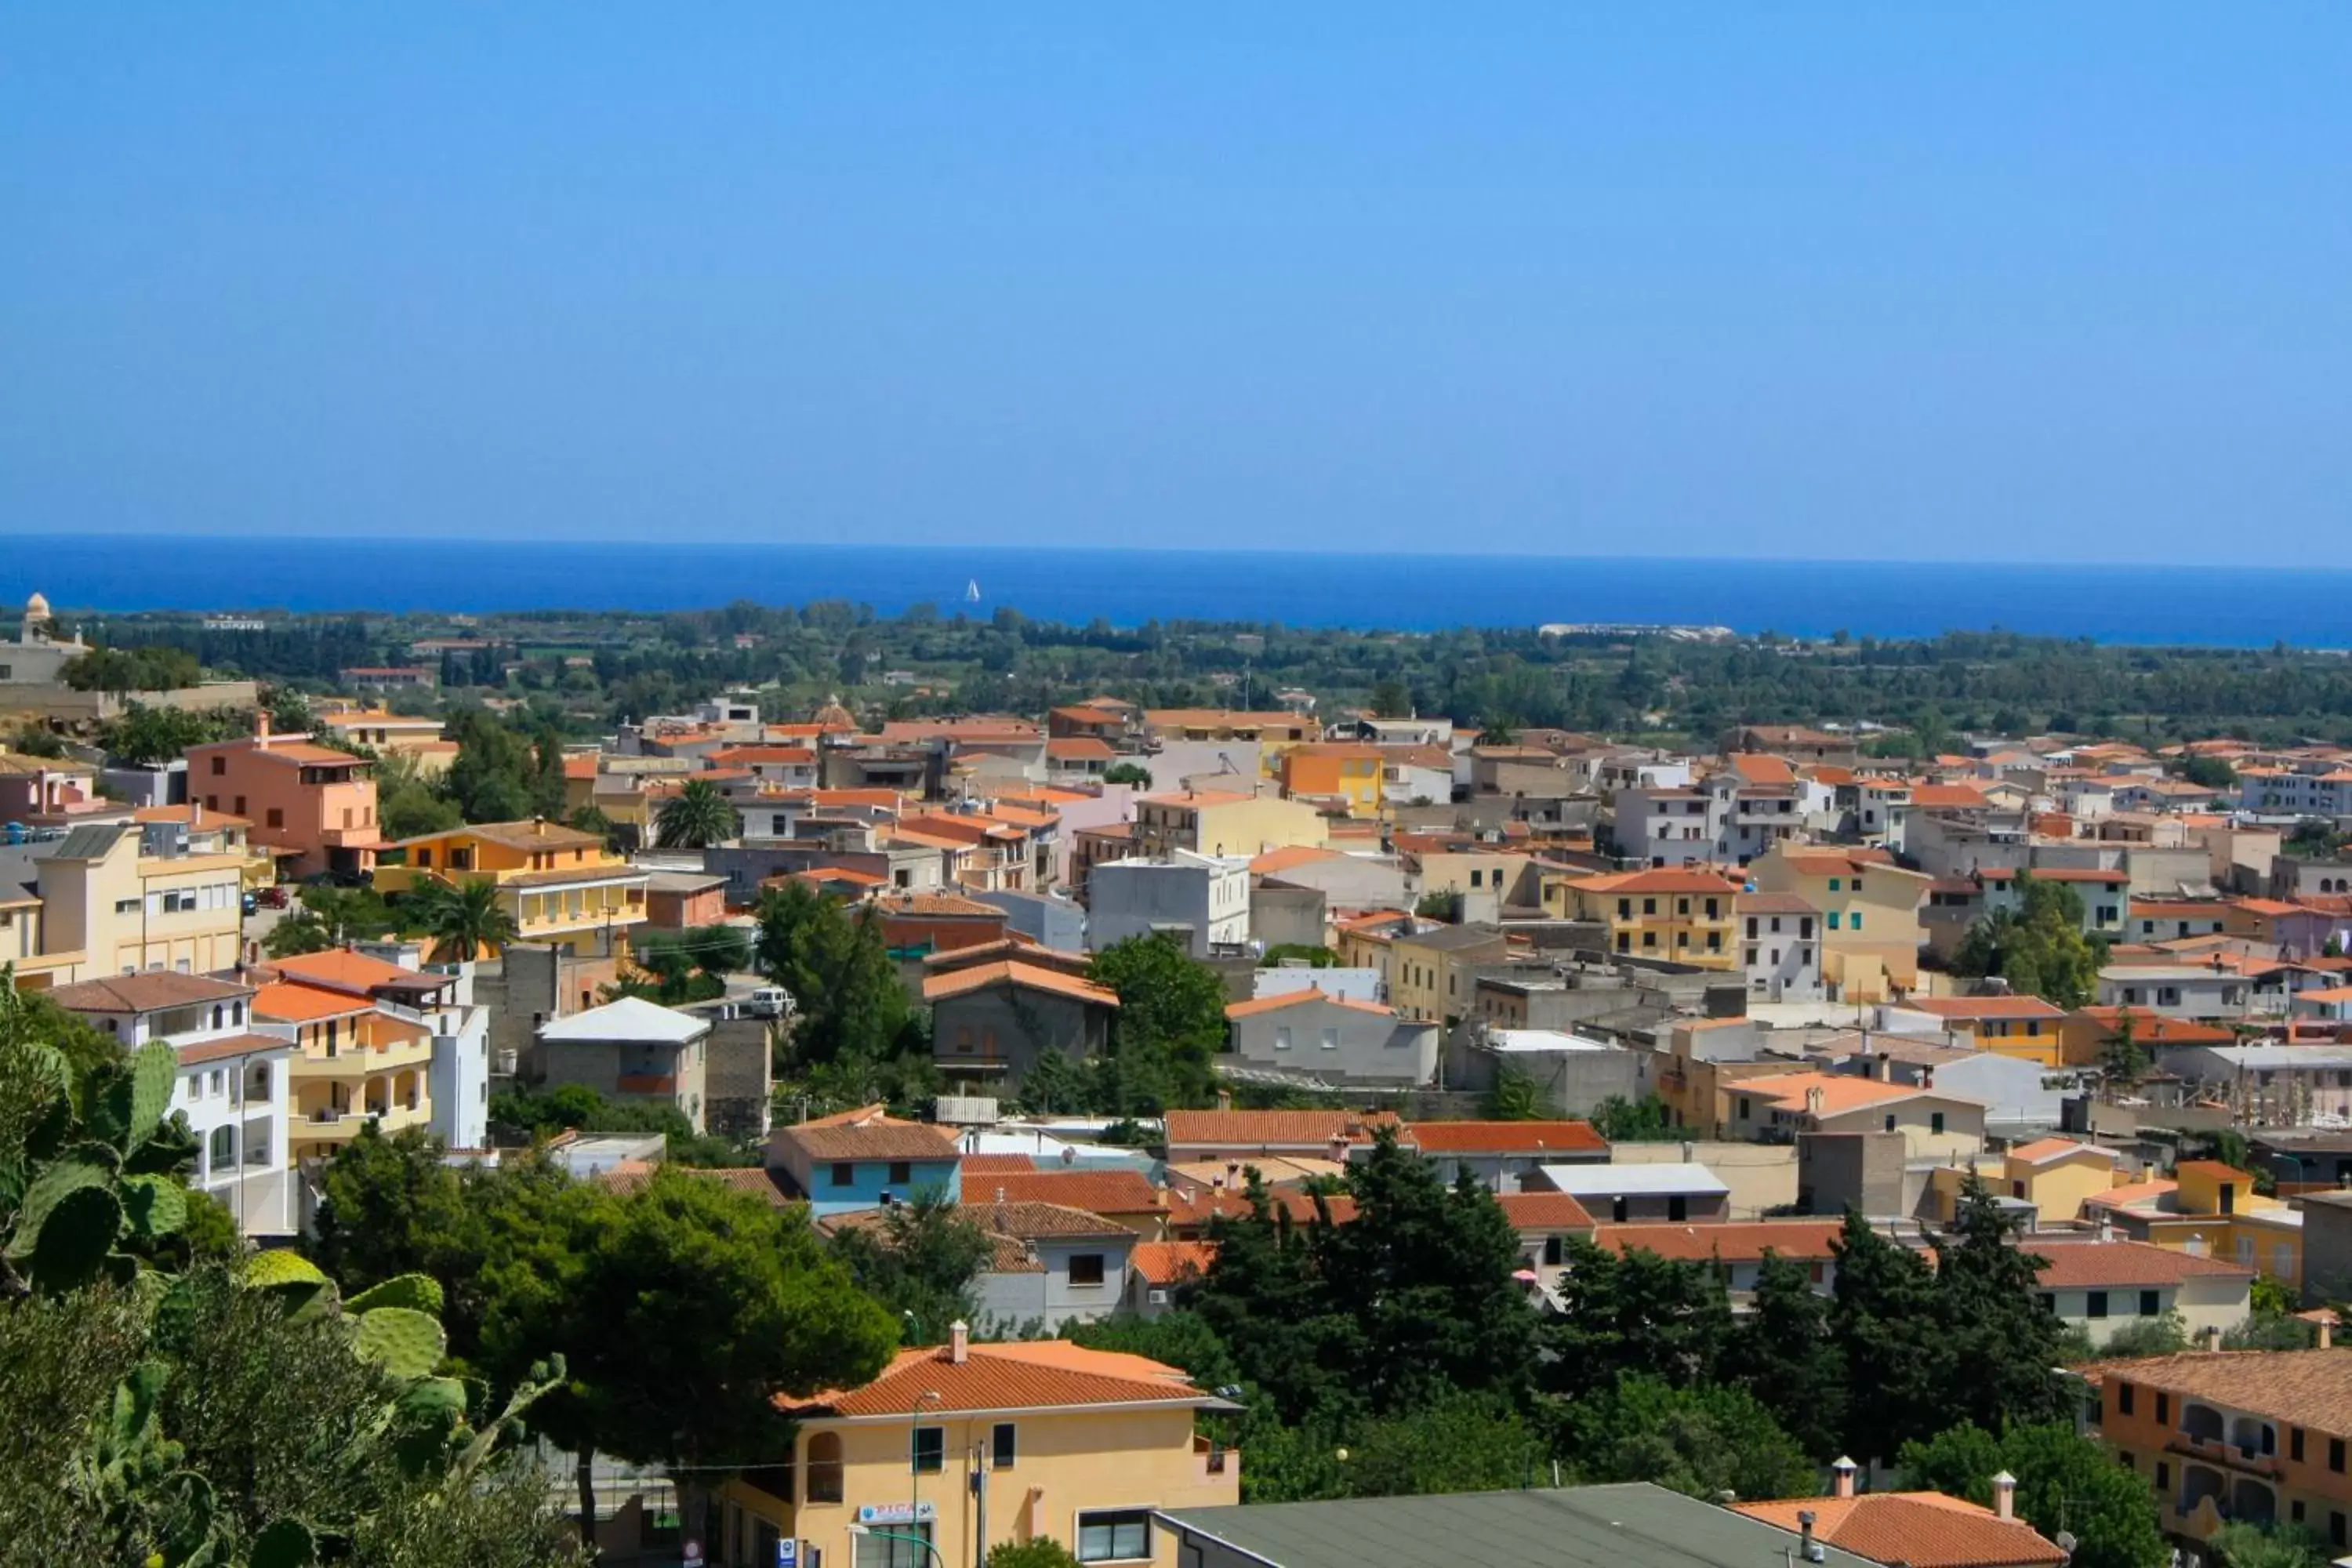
<point>824,1466</point>
<point>224,1149</point>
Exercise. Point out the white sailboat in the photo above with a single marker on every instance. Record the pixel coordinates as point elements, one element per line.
<point>971,591</point>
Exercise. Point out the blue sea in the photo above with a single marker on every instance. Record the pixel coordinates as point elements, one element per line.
<point>2220,607</point>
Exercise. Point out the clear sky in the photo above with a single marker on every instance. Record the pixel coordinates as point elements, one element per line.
<point>2031,281</point>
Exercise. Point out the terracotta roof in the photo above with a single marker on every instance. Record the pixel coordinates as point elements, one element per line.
<point>1043,1375</point>
<point>1171,1262</point>
<point>999,1165</point>
<point>1947,797</point>
<point>232,1045</point>
<point>1079,748</point>
<point>2154,1028</point>
<point>294,1002</point>
<point>2134,1193</point>
<point>1013,945</point>
<point>2308,1388</point>
<point>1543,1211</point>
<point>524,835</point>
<point>1205,1203</point>
<point>2095,1265</point>
<point>1839,1093</point>
<point>1257,1004</point>
<point>1985,1007</point>
<point>1659,881</point>
<point>189,814</point>
<point>749,756</point>
<point>1289,855</point>
<point>882,1138</point>
<point>340,969</point>
<point>145,992</point>
<point>937,904</point>
<point>1097,1192</point>
<point>1762,768</point>
<point>1922,1530</point>
<point>1245,1130</point>
<point>1505,1137</point>
<point>1745,1242</point>
<point>1029,976</point>
<point>1027,1219</point>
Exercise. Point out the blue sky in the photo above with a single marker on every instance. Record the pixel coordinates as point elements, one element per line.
<point>2030,281</point>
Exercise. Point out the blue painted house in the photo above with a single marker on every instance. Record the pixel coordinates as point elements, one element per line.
<point>851,1160</point>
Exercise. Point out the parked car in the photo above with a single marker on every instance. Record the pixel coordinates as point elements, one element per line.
<point>772,1002</point>
<point>273,896</point>
<point>251,901</point>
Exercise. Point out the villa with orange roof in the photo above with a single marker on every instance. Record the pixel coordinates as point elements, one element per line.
<point>312,806</point>
<point>958,1448</point>
<point>1348,775</point>
<point>1310,1034</point>
<point>1935,1126</point>
<point>1681,916</point>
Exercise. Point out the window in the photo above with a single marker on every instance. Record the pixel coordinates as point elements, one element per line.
<point>2149,1306</point>
<point>220,766</point>
<point>1853,920</point>
<point>2335,1528</point>
<point>824,1467</point>
<point>901,1172</point>
<point>2163,1408</point>
<point>928,1450</point>
<point>1115,1535</point>
<point>1748,956</point>
<point>1624,908</point>
<point>1834,919</point>
<point>1677,1208</point>
<point>1555,1251</point>
<point>1003,1446</point>
<point>1835,885</point>
<point>2163,1477</point>
<point>1619,1209</point>
<point>900,1549</point>
<point>1649,906</point>
<point>224,1152</point>
<point>1682,906</point>
<point>2335,1455</point>
<point>1086,1268</point>
<point>1330,1039</point>
<point>1282,1036</point>
<point>2295,1443</point>
<point>1935,1121</point>
<point>1649,939</point>
<point>276,817</point>
<point>844,1174</point>
<point>1890,1121</point>
<point>1744,1111</point>
<point>2124,1398</point>
<point>2049,1302</point>
<point>1751,932</point>
<point>2098,1304</point>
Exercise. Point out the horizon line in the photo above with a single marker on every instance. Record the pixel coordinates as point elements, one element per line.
<point>1000,548</point>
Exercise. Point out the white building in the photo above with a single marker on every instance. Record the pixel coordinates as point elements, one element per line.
<point>1205,899</point>
<point>1779,946</point>
<point>232,1084</point>
<point>2101,1287</point>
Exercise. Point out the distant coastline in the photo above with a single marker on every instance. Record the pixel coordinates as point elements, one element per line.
<point>2175,605</point>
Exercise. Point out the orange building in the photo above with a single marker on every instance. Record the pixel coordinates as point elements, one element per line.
<point>312,807</point>
<point>2254,1436</point>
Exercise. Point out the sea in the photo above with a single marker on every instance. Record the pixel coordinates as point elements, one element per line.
<point>2223,607</point>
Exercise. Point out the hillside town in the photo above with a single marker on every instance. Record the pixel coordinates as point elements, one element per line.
<point>1206,1135</point>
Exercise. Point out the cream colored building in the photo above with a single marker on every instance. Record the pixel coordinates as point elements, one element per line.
<point>961,1446</point>
<point>108,907</point>
<point>1871,929</point>
<point>1224,822</point>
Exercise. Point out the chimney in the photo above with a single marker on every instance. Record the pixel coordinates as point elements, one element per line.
<point>958,1341</point>
<point>1885,1073</point>
<point>2107,1227</point>
<point>1842,1477</point>
<point>2327,1332</point>
<point>1000,1195</point>
<point>261,725</point>
<point>2004,1496</point>
<point>1805,1524</point>
<point>2212,1339</point>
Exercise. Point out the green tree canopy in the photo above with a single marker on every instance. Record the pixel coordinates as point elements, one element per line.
<point>1698,1441</point>
<point>1172,1022</point>
<point>2064,1482</point>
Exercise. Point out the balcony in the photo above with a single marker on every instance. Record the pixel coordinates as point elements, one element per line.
<point>647,1083</point>
<point>364,1062</point>
<point>328,1124</point>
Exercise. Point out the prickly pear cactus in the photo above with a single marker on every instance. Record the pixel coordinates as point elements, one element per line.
<point>155,1205</point>
<point>152,1072</point>
<point>75,1242</point>
<point>297,1280</point>
<point>403,1341</point>
<point>285,1543</point>
<point>419,1292</point>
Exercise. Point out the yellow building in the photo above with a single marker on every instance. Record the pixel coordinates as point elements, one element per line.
<point>1871,929</point>
<point>957,1448</point>
<point>1680,915</point>
<point>2025,1027</point>
<point>394,734</point>
<point>1352,777</point>
<point>109,908</point>
<point>2212,1210</point>
<point>561,886</point>
<point>1224,822</point>
<point>356,1063</point>
<point>1430,970</point>
<point>2057,1175</point>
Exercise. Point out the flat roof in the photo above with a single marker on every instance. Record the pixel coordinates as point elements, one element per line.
<point>1630,1526</point>
<point>1672,1178</point>
<point>1544,1040</point>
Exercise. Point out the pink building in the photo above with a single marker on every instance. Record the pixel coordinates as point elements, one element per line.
<point>43,789</point>
<point>312,806</point>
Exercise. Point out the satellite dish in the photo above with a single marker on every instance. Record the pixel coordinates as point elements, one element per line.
<point>2066,1542</point>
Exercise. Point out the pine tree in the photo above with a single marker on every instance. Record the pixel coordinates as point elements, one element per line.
<point>1886,1322</point>
<point>1999,1340</point>
<point>1782,1352</point>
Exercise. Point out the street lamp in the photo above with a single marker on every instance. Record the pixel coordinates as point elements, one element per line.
<point>915,1465</point>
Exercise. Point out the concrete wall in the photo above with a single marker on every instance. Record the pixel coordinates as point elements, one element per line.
<point>1761,1176</point>
<point>738,1077</point>
<point>1056,923</point>
<point>1019,1031</point>
<point>1570,1083</point>
<point>1838,1171</point>
<point>1282,915</point>
<point>1012,1301</point>
<point>1363,1048</point>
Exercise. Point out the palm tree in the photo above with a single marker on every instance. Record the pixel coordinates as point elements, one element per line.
<point>465,920</point>
<point>695,817</point>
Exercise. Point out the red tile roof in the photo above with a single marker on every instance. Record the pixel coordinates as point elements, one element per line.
<point>1739,1242</point>
<point>1028,976</point>
<point>1921,1530</point>
<point>2308,1388</point>
<point>1543,1211</point>
<point>1506,1138</point>
<point>2096,1265</point>
<point>1097,1192</point>
<point>1171,1262</point>
<point>1246,1130</point>
<point>1985,1007</point>
<point>1257,1004</point>
<point>1022,1376</point>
